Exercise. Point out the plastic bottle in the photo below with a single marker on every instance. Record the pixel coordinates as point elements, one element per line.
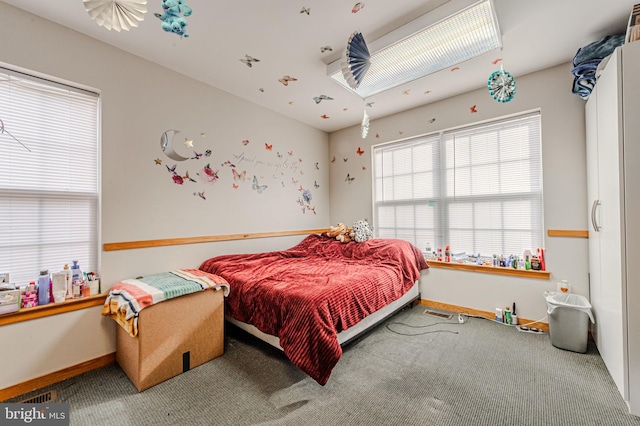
<point>507,315</point>
<point>76,273</point>
<point>543,264</point>
<point>43,288</point>
<point>447,254</point>
<point>68,279</point>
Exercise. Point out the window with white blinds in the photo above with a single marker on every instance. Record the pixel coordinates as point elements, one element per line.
<point>477,189</point>
<point>48,177</point>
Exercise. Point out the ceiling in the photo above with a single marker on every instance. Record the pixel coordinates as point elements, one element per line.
<point>287,41</point>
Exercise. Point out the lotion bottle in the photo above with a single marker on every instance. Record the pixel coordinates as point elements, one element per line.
<point>43,288</point>
<point>68,280</point>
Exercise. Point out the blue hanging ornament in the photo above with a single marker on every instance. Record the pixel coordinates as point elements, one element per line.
<point>501,85</point>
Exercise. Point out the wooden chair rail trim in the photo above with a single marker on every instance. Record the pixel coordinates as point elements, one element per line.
<point>572,233</point>
<point>69,305</point>
<point>56,376</point>
<point>540,275</point>
<point>127,245</point>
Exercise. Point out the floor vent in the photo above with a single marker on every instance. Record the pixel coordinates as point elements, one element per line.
<point>41,399</point>
<point>438,314</point>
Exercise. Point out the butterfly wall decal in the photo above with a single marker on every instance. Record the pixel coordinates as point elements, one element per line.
<point>257,187</point>
<point>317,166</point>
<point>234,186</point>
<point>200,194</point>
<point>349,179</point>
<point>245,142</point>
<point>321,98</point>
<point>196,156</point>
<point>286,79</point>
<point>357,7</point>
<point>316,185</point>
<point>359,151</point>
<point>207,153</point>
<point>228,163</point>
<point>326,49</point>
<point>325,117</point>
<point>239,176</point>
<point>268,147</point>
<point>306,10</point>
<point>249,61</point>
<point>473,109</point>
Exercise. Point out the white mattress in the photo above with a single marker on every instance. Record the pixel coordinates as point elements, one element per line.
<point>344,335</point>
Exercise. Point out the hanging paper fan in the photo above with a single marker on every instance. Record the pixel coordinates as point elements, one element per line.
<point>116,14</point>
<point>364,130</point>
<point>502,86</point>
<point>357,60</point>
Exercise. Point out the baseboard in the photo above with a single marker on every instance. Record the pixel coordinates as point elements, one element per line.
<point>56,376</point>
<point>475,312</point>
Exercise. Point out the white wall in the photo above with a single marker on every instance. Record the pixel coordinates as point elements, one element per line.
<point>140,101</point>
<point>564,186</point>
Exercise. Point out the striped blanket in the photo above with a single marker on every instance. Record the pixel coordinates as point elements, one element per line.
<point>127,298</point>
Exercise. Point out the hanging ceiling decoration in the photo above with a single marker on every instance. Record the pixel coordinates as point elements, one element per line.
<point>116,14</point>
<point>364,129</point>
<point>357,60</point>
<point>501,85</point>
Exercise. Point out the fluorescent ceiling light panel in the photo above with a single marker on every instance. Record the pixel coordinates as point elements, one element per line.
<point>440,43</point>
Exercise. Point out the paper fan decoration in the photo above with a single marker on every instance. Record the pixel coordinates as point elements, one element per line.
<point>116,14</point>
<point>502,86</point>
<point>357,60</point>
<point>364,129</point>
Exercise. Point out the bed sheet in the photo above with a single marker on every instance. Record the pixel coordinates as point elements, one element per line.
<point>307,294</point>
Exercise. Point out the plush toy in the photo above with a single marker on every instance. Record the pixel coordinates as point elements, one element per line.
<point>340,232</point>
<point>172,22</point>
<point>362,231</point>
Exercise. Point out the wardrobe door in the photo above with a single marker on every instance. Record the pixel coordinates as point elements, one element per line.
<point>612,310</point>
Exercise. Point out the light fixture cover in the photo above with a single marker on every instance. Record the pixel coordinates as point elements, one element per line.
<point>463,35</point>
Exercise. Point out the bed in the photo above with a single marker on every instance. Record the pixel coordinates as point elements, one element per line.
<point>313,297</point>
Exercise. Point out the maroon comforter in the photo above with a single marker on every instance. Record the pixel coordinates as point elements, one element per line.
<point>307,294</point>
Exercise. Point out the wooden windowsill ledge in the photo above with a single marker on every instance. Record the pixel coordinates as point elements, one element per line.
<point>540,275</point>
<point>68,305</point>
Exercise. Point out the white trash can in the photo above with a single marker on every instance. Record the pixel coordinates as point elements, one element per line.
<point>569,316</point>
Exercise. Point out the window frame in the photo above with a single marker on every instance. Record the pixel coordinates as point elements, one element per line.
<point>441,214</point>
<point>92,199</point>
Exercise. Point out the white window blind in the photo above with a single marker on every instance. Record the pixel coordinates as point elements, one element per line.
<point>476,189</point>
<point>48,190</point>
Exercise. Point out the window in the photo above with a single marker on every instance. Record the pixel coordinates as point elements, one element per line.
<point>477,189</point>
<point>48,176</point>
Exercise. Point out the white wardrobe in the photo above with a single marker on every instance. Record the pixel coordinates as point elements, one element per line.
<point>613,178</point>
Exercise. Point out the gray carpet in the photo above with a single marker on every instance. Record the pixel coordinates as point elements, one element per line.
<point>486,374</point>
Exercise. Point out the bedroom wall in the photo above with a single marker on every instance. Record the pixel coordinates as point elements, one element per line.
<point>564,185</point>
<point>140,200</point>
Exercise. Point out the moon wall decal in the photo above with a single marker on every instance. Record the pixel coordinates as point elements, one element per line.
<point>166,143</point>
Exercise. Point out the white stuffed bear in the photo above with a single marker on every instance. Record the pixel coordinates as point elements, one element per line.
<point>362,231</point>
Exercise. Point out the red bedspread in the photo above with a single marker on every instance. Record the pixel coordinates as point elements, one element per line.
<point>307,294</point>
